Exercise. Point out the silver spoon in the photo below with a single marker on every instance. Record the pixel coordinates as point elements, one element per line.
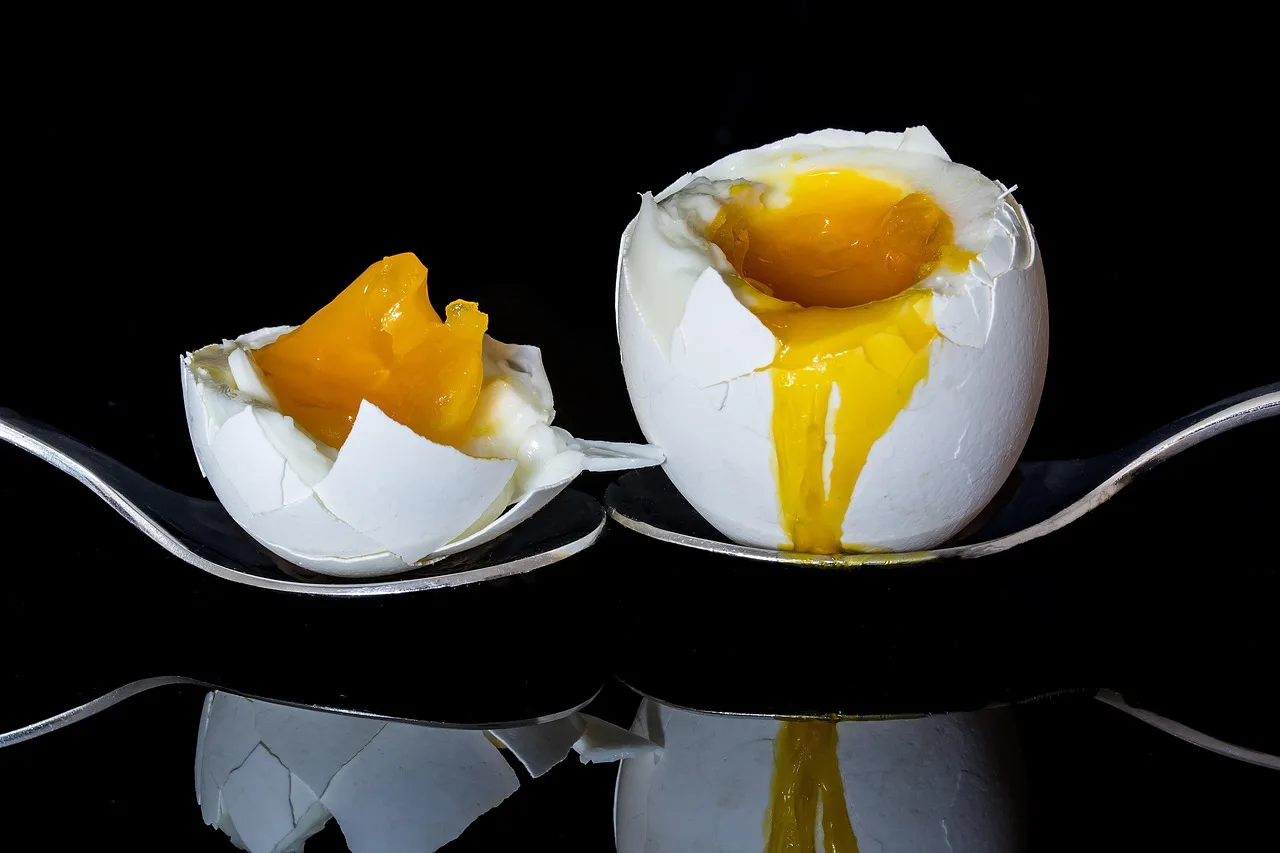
<point>203,534</point>
<point>114,697</point>
<point>1038,498</point>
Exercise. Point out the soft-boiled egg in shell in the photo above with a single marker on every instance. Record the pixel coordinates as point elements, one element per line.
<point>838,340</point>
<point>378,435</point>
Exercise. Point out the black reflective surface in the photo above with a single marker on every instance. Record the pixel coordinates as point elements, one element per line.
<point>100,605</point>
<point>1096,779</point>
<point>1166,594</point>
<point>164,196</point>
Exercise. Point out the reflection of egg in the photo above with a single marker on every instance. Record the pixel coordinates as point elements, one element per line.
<point>457,449</point>
<point>943,784</point>
<point>270,776</point>
<point>838,340</point>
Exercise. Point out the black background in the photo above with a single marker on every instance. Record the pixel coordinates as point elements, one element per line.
<point>164,196</point>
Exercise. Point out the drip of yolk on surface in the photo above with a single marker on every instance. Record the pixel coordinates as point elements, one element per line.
<point>807,789</point>
<point>380,340</point>
<point>834,269</point>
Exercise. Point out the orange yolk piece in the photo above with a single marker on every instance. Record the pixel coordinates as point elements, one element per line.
<point>835,267</point>
<point>380,340</point>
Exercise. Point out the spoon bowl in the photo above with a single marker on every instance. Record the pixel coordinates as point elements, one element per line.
<point>202,533</point>
<point>1039,497</point>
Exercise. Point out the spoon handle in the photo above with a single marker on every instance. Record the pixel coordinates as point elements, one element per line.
<point>1192,736</point>
<point>1049,495</point>
<point>1189,430</point>
<point>51,445</point>
<point>116,484</point>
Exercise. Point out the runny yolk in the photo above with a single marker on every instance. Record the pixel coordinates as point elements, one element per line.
<point>835,268</point>
<point>807,790</point>
<point>380,340</point>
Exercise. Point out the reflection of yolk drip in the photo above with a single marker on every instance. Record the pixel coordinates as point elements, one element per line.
<point>380,340</point>
<point>806,775</point>
<point>834,267</point>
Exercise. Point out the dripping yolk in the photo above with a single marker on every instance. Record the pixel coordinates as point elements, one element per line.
<point>807,790</point>
<point>835,269</point>
<point>380,340</point>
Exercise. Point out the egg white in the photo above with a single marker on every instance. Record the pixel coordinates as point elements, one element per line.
<point>389,499</point>
<point>696,359</point>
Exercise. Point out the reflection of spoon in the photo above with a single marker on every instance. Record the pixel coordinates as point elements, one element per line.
<point>142,685</point>
<point>1038,498</point>
<point>204,535</point>
<point>1165,724</point>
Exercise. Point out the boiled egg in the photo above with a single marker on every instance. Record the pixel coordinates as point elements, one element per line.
<point>379,435</point>
<point>838,340</point>
<point>952,783</point>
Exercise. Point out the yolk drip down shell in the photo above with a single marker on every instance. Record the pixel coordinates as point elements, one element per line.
<point>380,340</point>
<point>832,273</point>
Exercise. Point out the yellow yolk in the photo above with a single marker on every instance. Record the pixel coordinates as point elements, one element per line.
<point>806,775</point>
<point>380,340</point>
<point>835,268</point>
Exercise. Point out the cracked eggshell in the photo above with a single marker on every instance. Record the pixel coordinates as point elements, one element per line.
<point>541,747</point>
<point>391,786</point>
<point>390,498</point>
<point>942,784</point>
<point>270,775</point>
<point>696,362</point>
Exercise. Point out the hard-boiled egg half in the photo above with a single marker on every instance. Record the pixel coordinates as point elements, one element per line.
<point>839,340</point>
<point>379,435</point>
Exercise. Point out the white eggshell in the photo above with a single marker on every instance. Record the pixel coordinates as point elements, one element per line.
<point>250,461</point>
<point>315,528</point>
<point>313,744</point>
<point>257,798</point>
<point>944,784</point>
<point>958,439</point>
<point>248,377</point>
<point>945,455</point>
<point>271,775</point>
<point>712,316</point>
<point>388,480</point>
<point>390,786</point>
<point>242,786</point>
<point>226,737</point>
<point>416,788</point>
<point>539,748</point>
<point>390,499</point>
<point>522,364</point>
<point>603,743</point>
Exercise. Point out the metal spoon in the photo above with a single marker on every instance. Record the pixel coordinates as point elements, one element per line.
<point>1037,499</point>
<point>114,697</point>
<point>203,534</point>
